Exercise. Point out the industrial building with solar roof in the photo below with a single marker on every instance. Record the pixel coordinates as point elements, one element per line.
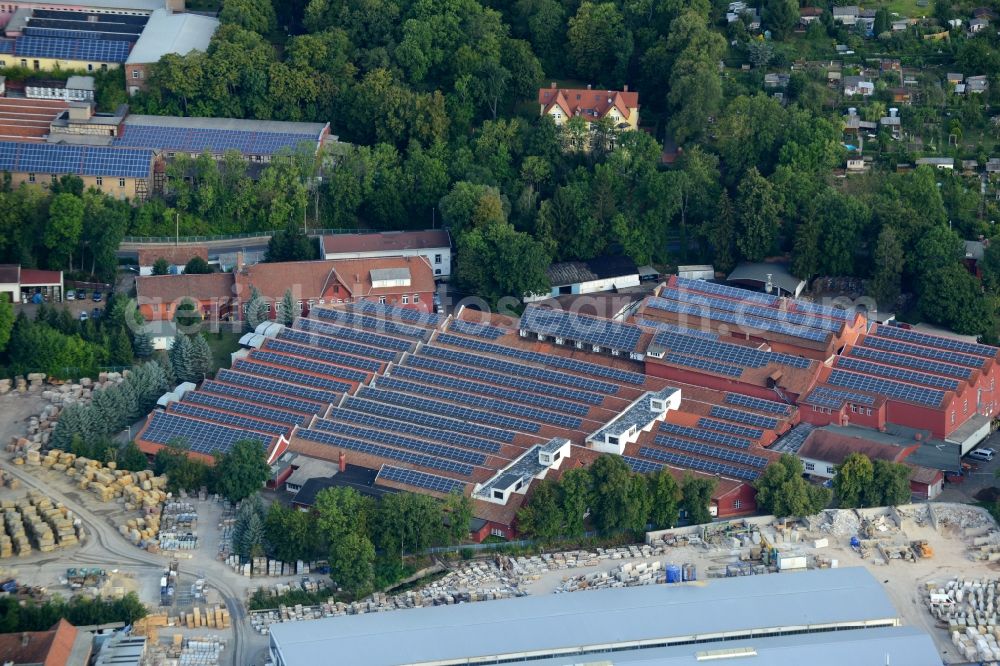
<point>702,379</point>
<point>824,617</point>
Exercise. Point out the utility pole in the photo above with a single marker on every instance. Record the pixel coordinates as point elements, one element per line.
<point>177,228</point>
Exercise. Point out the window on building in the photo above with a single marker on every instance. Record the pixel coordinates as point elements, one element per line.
<point>965,406</point>
<point>90,66</point>
<point>31,177</point>
<point>737,504</point>
<point>437,271</point>
<point>135,73</point>
<point>298,304</point>
<point>37,66</point>
<point>498,494</point>
<point>267,307</point>
<point>381,299</point>
<point>497,532</point>
<point>854,409</point>
<point>416,298</point>
<point>121,182</point>
<point>24,63</point>
<point>100,181</point>
<point>810,466</point>
<point>104,67</point>
<point>54,179</point>
<point>437,258</point>
<point>868,411</point>
<point>406,299</point>
<point>953,417</point>
<point>830,469</point>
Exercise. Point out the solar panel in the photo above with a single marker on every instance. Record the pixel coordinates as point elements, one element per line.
<point>501,379</point>
<point>355,334</point>
<point>824,396</point>
<point>742,307</point>
<point>826,311</point>
<point>761,405</point>
<point>244,380</point>
<point>704,364</point>
<point>888,344</point>
<point>552,360</point>
<point>512,395</point>
<point>50,158</point>
<point>743,322</point>
<point>706,435</point>
<point>92,50</point>
<point>372,323</point>
<point>481,401</point>
<point>6,45</point>
<point>723,290</point>
<point>324,369</point>
<point>725,351</point>
<point>886,387</point>
<point>412,477</point>
<point>78,15</point>
<point>340,441</point>
<point>640,466</point>
<point>936,341</point>
<point>792,441</point>
<point>357,349</point>
<point>447,409</point>
<point>764,422</point>
<point>202,397</point>
<point>710,466</point>
<point>238,420</point>
<point>680,330</point>
<point>313,352</point>
<point>216,141</point>
<point>479,330</point>
<point>396,425</point>
<point>732,428</point>
<point>392,312</point>
<point>591,330</point>
<point>197,436</point>
<point>890,358</point>
<point>425,419</point>
<point>902,374</point>
<point>402,442</point>
<point>283,374</point>
<point>700,449</point>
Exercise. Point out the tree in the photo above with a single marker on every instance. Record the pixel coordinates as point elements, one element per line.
<point>161,267</point>
<point>181,359</point>
<point>342,510</point>
<point>242,470</point>
<point>757,216</point>
<point>782,490</point>
<point>6,322</point>
<point>287,310</point>
<point>352,563</point>
<point>459,510</point>
<point>63,232</point>
<point>891,483</point>
<point>575,498</point>
<point>121,348</point>
<point>781,17</point>
<point>888,261</point>
<point>665,496</point>
<point>853,480</point>
<point>882,21</point>
<point>696,497</point>
<point>291,535</point>
<point>142,344</point>
<point>201,357</point>
<point>498,261</point>
<point>600,44</point>
<point>256,309</point>
<point>950,296</point>
<point>187,316</point>
<point>290,244</point>
<point>541,517</point>
<point>695,85</point>
<point>248,533</point>
<point>132,459</point>
<point>255,15</point>
<point>197,266</point>
<point>618,503</point>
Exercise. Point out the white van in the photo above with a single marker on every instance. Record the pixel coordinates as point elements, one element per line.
<point>981,454</point>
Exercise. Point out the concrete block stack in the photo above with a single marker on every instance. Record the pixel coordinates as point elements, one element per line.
<point>5,386</point>
<point>970,609</point>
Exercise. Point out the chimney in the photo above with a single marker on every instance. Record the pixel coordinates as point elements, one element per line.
<point>893,111</point>
<point>25,639</point>
<point>625,88</point>
<point>588,86</point>
<point>552,85</point>
<point>342,462</point>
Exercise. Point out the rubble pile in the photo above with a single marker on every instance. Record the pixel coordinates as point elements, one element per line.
<point>841,523</point>
<point>959,516</point>
<point>968,608</point>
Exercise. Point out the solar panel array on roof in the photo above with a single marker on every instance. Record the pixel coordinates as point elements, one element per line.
<point>729,455</point>
<point>704,364</point>
<point>640,466</point>
<point>412,477</point>
<point>67,33</point>
<point>761,405</point>
<point>350,444</point>
<point>265,384</point>
<point>372,323</point>
<point>453,382</point>
<point>323,369</point>
<point>591,330</point>
<point>680,330</point>
<point>741,320</point>
<point>202,397</point>
<point>732,428</point>
<point>216,141</point>
<point>762,311</point>
<point>726,351</point>
<point>237,420</point>
<point>706,435</point>
<point>888,344</point>
<point>824,396</point>
<point>825,310</point>
<point>502,379</point>
<point>479,330</point>
<point>744,417</point>
<point>345,346</point>
<point>397,425</point>
<point>49,158</point>
<point>355,334</point>
<point>936,341</point>
<point>792,441</point>
<point>724,290</point>
<point>710,466</point>
<point>6,45</point>
<point>887,387</point>
<point>402,442</point>
<point>92,50</point>
<point>391,411</point>
<point>283,374</point>
<point>288,347</point>
<point>198,436</point>
<point>890,358</point>
<point>552,360</point>
<point>902,374</point>
<point>392,312</point>
<point>447,409</point>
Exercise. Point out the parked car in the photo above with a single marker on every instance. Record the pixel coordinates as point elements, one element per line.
<point>992,452</point>
<point>81,295</point>
<point>70,295</point>
<point>97,297</point>
<point>84,316</point>
<point>981,454</point>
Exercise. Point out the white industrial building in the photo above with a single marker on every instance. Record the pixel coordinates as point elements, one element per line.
<point>824,617</point>
<point>433,244</point>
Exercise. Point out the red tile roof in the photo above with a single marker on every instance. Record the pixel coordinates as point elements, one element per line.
<point>589,104</point>
<point>833,447</point>
<point>175,255</point>
<point>34,277</point>
<point>48,648</point>
<point>172,288</point>
<point>387,241</point>
<point>28,119</point>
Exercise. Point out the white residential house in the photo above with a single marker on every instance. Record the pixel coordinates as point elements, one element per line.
<point>978,25</point>
<point>858,85</point>
<point>846,15</point>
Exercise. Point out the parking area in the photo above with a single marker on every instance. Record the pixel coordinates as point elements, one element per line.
<point>981,477</point>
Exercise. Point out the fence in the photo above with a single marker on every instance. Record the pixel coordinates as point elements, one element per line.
<point>175,240</point>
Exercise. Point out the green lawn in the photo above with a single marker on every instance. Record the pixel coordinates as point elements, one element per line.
<point>222,345</point>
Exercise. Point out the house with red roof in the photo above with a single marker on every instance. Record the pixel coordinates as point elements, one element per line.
<point>621,107</point>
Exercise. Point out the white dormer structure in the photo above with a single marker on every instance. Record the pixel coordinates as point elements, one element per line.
<point>651,407</point>
<point>517,476</point>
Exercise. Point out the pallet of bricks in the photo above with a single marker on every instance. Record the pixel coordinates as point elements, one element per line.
<point>178,525</point>
<point>205,651</point>
<point>34,519</point>
<point>214,617</point>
